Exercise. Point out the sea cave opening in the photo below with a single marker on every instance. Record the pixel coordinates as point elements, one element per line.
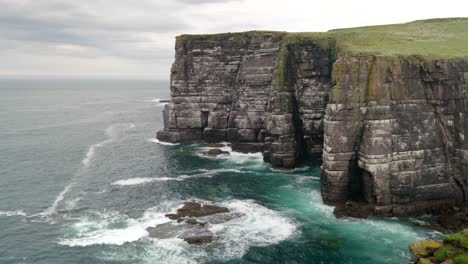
<point>360,184</point>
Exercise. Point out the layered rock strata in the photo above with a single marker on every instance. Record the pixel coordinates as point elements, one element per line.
<point>249,88</point>
<point>390,130</point>
<point>394,134</point>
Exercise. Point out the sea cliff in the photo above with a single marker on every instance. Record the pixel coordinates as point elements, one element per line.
<point>384,107</point>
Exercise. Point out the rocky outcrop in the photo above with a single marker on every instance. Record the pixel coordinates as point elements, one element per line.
<point>192,223</point>
<point>389,129</point>
<point>452,250</point>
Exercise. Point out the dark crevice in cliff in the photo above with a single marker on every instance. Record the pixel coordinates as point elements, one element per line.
<point>301,149</point>
<point>356,183</point>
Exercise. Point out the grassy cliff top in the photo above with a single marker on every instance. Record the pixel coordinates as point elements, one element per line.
<point>433,38</point>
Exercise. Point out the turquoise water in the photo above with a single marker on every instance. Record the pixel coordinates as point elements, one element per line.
<point>81,178</point>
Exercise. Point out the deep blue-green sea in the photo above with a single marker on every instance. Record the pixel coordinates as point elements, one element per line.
<point>82,177</point>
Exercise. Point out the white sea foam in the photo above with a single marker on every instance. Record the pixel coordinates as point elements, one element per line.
<point>205,173</point>
<point>155,101</point>
<point>303,178</point>
<point>138,180</point>
<point>259,226</point>
<point>155,140</point>
<point>92,150</point>
<point>114,132</point>
<point>53,208</point>
<point>12,213</point>
<point>232,156</point>
<point>113,228</point>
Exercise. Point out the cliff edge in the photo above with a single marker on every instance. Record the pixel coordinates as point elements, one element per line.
<point>385,107</point>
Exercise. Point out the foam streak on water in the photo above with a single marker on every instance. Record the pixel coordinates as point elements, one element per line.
<point>206,174</point>
<point>91,151</point>
<point>157,141</point>
<point>12,213</point>
<point>53,208</point>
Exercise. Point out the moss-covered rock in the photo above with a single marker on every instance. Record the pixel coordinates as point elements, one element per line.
<point>424,248</point>
<point>458,239</point>
<point>452,250</point>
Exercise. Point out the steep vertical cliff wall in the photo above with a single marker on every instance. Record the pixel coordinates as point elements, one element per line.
<point>385,107</point>
<point>394,133</point>
<point>260,88</point>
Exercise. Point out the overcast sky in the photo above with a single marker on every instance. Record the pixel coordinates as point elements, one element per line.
<point>135,38</point>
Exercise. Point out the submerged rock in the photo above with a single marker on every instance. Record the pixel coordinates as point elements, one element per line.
<point>215,152</point>
<point>353,209</point>
<point>192,222</point>
<point>198,235</point>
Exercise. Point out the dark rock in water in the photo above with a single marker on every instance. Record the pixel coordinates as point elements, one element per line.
<point>199,235</point>
<point>172,216</point>
<point>166,230</point>
<point>247,147</point>
<point>215,152</point>
<point>192,222</point>
<point>353,209</point>
<point>435,227</point>
<point>197,209</point>
<point>221,218</point>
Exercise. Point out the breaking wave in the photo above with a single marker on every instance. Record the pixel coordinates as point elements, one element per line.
<point>259,226</point>
<point>155,140</point>
<point>232,156</point>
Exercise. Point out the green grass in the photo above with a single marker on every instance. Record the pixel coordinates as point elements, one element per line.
<point>441,254</point>
<point>460,238</point>
<point>461,259</point>
<point>434,38</point>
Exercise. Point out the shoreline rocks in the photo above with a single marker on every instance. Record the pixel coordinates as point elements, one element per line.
<point>452,250</point>
<point>191,223</point>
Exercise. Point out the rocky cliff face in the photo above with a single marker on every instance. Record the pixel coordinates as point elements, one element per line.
<point>253,89</point>
<point>390,129</point>
<point>394,134</point>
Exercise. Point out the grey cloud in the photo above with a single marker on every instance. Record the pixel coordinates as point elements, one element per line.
<point>110,30</point>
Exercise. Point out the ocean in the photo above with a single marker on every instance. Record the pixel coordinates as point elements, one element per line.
<point>82,177</point>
